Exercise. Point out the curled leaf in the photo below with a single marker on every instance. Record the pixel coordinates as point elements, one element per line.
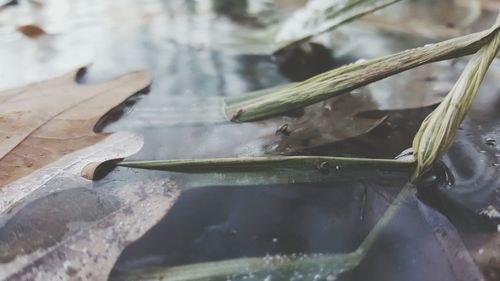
<point>42,122</point>
<point>439,129</point>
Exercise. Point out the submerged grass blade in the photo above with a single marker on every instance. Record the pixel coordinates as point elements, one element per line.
<point>280,267</point>
<point>439,129</point>
<point>320,16</point>
<point>303,163</point>
<point>290,97</point>
<point>318,267</point>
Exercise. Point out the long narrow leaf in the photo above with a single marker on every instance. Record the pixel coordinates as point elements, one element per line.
<point>280,267</point>
<point>304,163</point>
<point>275,102</point>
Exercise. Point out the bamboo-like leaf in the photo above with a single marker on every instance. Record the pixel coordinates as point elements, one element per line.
<point>274,170</point>
<point>305,163</point>
<point>320,16</point>
<point>439,129</point>
<point>278,101</point>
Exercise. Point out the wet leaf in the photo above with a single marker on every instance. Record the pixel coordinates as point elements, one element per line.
<point>41,122</point>
<point>56,225</point>
<point>349,77</point>
<point>78,233</point>
<point>319,163</point>
<point>280,267</point>
<point>31,30</point>
<point>320,16</point>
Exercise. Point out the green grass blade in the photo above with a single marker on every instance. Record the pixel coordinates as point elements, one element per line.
<point>319,267</point>
<point>280,267</point>
<point>270,103</point>
<point>303,163</point>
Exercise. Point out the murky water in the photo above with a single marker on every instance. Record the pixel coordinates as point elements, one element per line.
<point>197,57</point>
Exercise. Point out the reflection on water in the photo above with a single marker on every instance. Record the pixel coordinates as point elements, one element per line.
<point>196,57</point>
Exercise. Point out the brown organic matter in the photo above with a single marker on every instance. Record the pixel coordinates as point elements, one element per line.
<point>31,30</point>
<point>41,122</point>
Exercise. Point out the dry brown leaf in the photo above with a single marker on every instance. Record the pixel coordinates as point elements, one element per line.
<point>31,30</point>
<point>41,122</point>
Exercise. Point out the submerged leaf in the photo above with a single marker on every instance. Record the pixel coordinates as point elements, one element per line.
<point>321,267</point>
<point>55,224</point>
<point>280,267</point>
<point>320,16</point>
<point>57,238</point>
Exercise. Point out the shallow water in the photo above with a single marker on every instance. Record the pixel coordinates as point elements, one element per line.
<point>196,55</point>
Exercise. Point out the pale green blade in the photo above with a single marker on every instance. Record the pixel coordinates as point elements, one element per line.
<point>266,104</point>
<point>253,269</point>
<point>323,164</point>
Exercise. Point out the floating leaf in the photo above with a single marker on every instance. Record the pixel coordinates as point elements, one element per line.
<point>41,122</point>
<point>272,170</point>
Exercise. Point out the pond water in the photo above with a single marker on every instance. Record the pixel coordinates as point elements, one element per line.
<point>198,56</point>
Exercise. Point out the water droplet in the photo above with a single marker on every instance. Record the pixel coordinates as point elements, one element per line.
<point>490,141</point>
<point>233,231</point>
<point>331,277</point>
<point>323,167</point>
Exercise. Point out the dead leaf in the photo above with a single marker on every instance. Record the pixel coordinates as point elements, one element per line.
<point>31,30</point>
<point>324,123</point>
<point>359,112</point>
<point>78,233</point>
<point>57,226</point>
<point>117,145</point>
<point>41,122</point>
